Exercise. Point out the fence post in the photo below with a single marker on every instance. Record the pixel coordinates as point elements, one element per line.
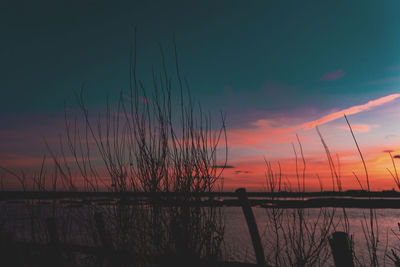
<point>341,249</point>
<point>52,230</point>
<point>55,254</point>
<point>105,239</point>
<point>251,223</point>
<point>104,236</point>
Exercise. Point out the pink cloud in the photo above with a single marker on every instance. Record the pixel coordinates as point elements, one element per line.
<point>271,130</point>
<point>274,133</point>
<point>333,75</point>
<point>352,110</point>
<point>362,128</point>
<point>317,164</point>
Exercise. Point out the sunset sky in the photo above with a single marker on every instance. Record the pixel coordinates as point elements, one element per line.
<point>277,68</point>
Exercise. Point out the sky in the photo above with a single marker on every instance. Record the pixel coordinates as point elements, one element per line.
<point>277,68</point>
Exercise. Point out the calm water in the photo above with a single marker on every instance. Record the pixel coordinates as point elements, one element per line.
<point>237,238</point>
<point>237,242</point>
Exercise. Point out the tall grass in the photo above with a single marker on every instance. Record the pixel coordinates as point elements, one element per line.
<point>299,236</point>
<point>295,240</point>
<point>157,141</point>
<point>153,139</point>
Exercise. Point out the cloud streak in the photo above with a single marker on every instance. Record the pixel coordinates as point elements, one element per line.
<point>362,128</point>
<point>352,110</point>
<point>266,132</point>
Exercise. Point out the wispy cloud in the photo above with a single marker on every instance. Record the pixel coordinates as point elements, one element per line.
<point>274,134</point>
<point>263,133</point>
<point>362,128</point>
<point>352,110</point>
<point>333,75</point>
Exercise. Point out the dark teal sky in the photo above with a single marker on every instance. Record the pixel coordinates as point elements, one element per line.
<point>249,58</point>
<point>275,67</point>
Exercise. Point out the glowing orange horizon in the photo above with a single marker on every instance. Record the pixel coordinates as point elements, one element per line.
<point>275,138</point>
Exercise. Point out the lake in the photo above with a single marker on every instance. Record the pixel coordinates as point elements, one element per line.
<point>237,243</point>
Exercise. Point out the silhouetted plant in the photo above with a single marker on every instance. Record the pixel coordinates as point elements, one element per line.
<point>151,143</point>
<point>299,237</point>
<point>153,140</point>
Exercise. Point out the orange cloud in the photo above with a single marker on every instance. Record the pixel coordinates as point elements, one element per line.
<point>316,166</point>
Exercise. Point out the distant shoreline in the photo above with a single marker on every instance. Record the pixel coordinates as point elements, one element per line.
<point>347,199</point>
<point>282,194</point>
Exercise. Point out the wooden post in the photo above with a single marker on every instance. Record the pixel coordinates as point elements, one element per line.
<point>341,249</point>
<point>251,223</point>
<point>52,230</point>
<point>104,236</point>
<point>54,254</point>
<point>105,239</point>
